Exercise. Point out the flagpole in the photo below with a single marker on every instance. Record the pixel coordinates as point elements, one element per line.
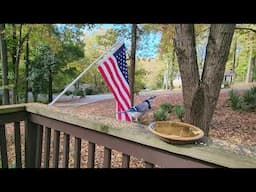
<point>81,74</point>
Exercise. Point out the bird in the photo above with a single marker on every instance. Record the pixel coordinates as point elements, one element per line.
<point>138,110</point>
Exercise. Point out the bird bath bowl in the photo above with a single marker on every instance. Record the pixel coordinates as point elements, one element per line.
<point>176,132</point>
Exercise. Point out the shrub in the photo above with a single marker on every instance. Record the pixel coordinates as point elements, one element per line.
<point>88,91</point>
<point>235,100</point>
<point>91,91</point>
<point>249,100</point>
<point>68,93</point>
<point>253,90</point>
<point>167,107</point>
<point>160,115</point>
<point>78,92</point>
<point>179,111</point>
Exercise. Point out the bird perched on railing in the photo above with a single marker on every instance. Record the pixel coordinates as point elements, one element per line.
<point>138,110</point>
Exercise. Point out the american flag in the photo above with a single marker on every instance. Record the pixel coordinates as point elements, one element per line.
<point>113,69</point>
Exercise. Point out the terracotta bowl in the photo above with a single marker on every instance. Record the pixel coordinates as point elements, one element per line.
<point>176,132</point>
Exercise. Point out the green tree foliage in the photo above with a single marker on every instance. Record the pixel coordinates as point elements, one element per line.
<point>139,80</point>
<point>42,66</point>
<point>96,44</point>
<point>244,39</point>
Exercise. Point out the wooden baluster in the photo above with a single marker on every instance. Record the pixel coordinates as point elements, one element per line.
<point>56,147</point>
<point>17,144</point>
<point>107,158</point>
<point>47,146</point>
<point>66,150</point>
<point>3,148</point>
<point>91,155</point>
<point>77,155</point>
<point>125,161</point>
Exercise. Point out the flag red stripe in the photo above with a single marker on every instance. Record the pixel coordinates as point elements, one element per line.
<point>110,87</point>
<point>107,81</point>
<point>113,87</point>
<point>119,110</point>
<point>119,78</point>
<point>114,71</point>
<point>118,88</point>
<point>114,92</point>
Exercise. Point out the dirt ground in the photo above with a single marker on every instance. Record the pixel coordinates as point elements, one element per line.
<point>234,126</point>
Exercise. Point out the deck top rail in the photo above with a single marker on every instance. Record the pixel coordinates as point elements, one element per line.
<point>213,152</point>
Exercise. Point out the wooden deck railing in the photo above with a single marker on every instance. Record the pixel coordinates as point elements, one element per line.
<point>47,135</point>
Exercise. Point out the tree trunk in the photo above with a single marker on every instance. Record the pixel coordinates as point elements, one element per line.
<point>14,46</point>
<point>254,69</point>
<point>133,57</point>
<point>249,74</point>
<point>168,74</point>
<point>4,65</point>
<point>27,71</point>
<point>17,62</point>
<point>172,69</point>
<point>251,70</point>
<point>185,47</point>
<point>50,87</point>
<point>234,65</point>
<point>16,69</point>
<point>200,96</point>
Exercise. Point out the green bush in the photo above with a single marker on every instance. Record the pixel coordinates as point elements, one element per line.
<point>89,91</point>
<point>78,92</point>
<point>235,100</point>
<point>226,84</point>
<point>249,97</point>
<point>68,93</point>
<point>179,111</point>
<point>253,90</point>
<point>249,100</point>
<point>167,107</point>
<point>160,115</point>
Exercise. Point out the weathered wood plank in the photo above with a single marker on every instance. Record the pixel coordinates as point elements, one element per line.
<point>107,158</point>
<point>39,140</point>
<point>128,147</point>
<point>3,147</point>
<point>31,145</point>
<point>4,109</point>
<point>47,147</point>
<point>125,161</point>
<point>66,150</point>
<point>12,117</point>
<point>77,154</point>
<point>56,148</point>
<point>91,155</point>
<point>17,140</point>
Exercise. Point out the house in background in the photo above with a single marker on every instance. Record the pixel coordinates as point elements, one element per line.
<point>228,78</point>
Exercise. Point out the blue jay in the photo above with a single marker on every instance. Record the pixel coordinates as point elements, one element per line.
<point>140,109</point>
